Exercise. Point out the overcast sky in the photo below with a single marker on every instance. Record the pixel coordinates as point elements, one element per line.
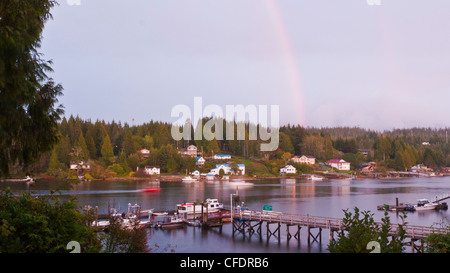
<point>324,62</point>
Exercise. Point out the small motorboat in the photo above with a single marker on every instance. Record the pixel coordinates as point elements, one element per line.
<point>188,179</point>
<point>151,189</point>
<point>315,177</point>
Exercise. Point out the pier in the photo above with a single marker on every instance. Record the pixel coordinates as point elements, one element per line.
<point>250,222</point>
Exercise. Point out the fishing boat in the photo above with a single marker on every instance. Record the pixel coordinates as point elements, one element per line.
<point>188,179</point>
<point>171,222</point>
<point>425,204</point>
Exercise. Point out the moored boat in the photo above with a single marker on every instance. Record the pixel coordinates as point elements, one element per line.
<point>425,204</point>
<point>189,179</point>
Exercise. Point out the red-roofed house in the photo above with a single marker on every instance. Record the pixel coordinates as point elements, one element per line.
<point>339,164</point>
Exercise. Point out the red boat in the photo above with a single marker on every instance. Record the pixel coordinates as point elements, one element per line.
<point>151,189</point>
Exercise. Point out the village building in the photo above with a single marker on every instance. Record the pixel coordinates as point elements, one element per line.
<point>196,173</point>
<point>222,157</point>
<point>151,170</point>
<point>288,169</point>
<point>191,151</point>
<point>365,152</point>
<point>339,164</point>
<point>200,161</point>
<point>368,167</point>
<point>144,152</point>
<point>84,165</point>
<point>304,159</point>
<point>227,169</point>
<point>420,168</point>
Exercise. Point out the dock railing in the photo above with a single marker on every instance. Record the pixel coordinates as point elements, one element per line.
<point>411,231</point>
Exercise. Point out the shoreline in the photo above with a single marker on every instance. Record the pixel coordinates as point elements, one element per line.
<point>179,177</point>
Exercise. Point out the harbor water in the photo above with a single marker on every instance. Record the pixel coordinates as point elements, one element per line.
<point>326,198</point>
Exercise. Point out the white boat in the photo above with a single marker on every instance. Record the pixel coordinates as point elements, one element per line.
<point>188,179</point>
<point>315,177</point>
<point>212,204</point>
<point>425,204</point>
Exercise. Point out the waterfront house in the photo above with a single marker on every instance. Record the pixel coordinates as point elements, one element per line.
<point>151,170</point>
<point>368,167</point>
<point>144,152</point>
<point>304,159</point>
<point>420,168</point>
<point>339,164</point>
<point>78,165</point>
<point>200,161</point>
<point>288,169</point>
<point>222,157</point>
<point>191,151</point>
<point>227,169</point>
<point>196,173</point>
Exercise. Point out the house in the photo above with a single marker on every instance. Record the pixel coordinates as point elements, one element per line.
<point>191,151</point>
<point>85,165</point>
<point>196,173</point>
<point>227,169</point>
<point>365,152</point>
<point>222,157</point>
<point>420,168</point>
<point>151,170</point>
<point>200,161</point>
<point>144,152</point>
<point>368,167</point>
<point>339,164</point>
<point>288,169</point>
<point>210,176</point>
<point>304,159</point>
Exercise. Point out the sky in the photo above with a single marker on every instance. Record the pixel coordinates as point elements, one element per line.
<point>325,63</point>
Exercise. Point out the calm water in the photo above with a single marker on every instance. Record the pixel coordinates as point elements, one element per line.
<point>324,198</point>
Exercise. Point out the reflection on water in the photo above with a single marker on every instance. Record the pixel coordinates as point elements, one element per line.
<point>297,196</point>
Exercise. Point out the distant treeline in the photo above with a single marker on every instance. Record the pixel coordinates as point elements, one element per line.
<point>114,147</point>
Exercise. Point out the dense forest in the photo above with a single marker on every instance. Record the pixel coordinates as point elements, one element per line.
<point>112,148</point>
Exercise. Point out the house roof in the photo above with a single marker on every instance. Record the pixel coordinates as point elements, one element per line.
<point>337,161</point>
<point>198,158</point>
<point>223,155</point>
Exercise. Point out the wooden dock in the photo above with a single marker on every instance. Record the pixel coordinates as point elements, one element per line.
<point>248,221</point>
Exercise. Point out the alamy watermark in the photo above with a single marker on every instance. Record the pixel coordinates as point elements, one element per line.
<point>257,121</point>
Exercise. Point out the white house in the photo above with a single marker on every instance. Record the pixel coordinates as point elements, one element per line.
<point>151,170</point>
<point>339,164</point>
<point>196,173</point>
<point>222,157</point>
<point>227,169</point>
<point>304,159</point>
<point>85,165</point>
<point>191,151</point>
<point>288,169</point>
<point>200,161</point>
<point>144,152</point>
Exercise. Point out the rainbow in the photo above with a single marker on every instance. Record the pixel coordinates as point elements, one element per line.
<point>290,58</point>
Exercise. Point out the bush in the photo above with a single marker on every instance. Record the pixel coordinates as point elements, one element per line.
<point>42,224</point>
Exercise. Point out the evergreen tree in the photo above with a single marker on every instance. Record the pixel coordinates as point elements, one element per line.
<point>28,97</point>
<point>107,151</point>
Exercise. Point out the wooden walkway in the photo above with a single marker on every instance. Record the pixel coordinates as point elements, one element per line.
<point>248,221</point>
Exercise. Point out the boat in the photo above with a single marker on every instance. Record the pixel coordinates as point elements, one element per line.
<point>27,179</point>
<point>188,179</point>
<point>213,205</point>
<point>151,189</point>
<point>171,222</point>
<point>425,204</point>
<point>315,177</point>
